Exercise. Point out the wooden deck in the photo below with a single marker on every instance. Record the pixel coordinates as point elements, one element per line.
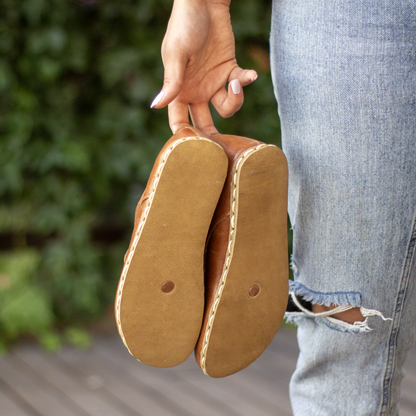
<point>106,380</point>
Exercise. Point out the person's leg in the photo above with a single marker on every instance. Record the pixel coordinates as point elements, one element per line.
<point>344,73</point>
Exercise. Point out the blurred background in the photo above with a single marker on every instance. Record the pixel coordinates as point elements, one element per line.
<point>77,142</point>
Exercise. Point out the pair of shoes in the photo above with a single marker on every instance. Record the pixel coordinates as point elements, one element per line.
<point>207,265</point>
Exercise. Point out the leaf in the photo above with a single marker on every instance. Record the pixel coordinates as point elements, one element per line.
<point>19,265</point>
<point>25,311</point>
<point>50,341</point>
<point>78,337</point>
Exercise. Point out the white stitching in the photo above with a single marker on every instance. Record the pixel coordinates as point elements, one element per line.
<point>231,241</point>
<point>140,229</point>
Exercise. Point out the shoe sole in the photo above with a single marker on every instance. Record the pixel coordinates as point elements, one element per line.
<point>160,298</point>
<point>251,296</point>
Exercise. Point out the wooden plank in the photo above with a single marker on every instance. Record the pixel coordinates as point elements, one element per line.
<point>93,402</point>
<point>286,339</point>
<point>412,355</point>
<point>406,412</point>
<point>190,397</point>
<point>408,400</point>
<point>11,408</point>
<point>177,375</point>
<point>107,381</point>
<point>267,389</point>
<point>34,391</point>
<point>239,396</point>
<point>271,374</point>
<point>136,395</point>
<point>278,366</point>
<point>225,390</point>
<point>243,399</point>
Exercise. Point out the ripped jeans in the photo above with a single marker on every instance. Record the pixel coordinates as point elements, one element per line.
<point>344,73</point>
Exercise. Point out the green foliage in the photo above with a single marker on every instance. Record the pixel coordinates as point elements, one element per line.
<point>24,307</point>
<point>78,337</point>
<point>50,341</point>
<point>78,140</point>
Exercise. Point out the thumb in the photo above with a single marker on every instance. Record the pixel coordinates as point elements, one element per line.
<point>174,63</point>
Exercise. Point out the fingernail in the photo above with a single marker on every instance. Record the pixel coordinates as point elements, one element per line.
<point>254,78</point>
<point>157,99</point>
<point>235,86</point>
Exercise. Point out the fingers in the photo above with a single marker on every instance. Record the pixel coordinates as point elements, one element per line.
<point>178,115</point>
<point>200,116</point>
<point>202,119</point>
<point>245,76</point>
<point>228,103</point>
<point>174,64</point>
<point>225,102</point>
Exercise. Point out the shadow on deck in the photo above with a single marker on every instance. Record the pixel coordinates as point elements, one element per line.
<point>106,380</point>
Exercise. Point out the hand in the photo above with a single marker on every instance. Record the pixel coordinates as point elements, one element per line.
<point>198,54</point>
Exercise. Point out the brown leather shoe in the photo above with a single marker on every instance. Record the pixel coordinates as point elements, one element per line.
<point>160,297</point>
<point>246,277</point>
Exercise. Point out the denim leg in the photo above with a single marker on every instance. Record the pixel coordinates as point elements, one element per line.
<point>344,73</point>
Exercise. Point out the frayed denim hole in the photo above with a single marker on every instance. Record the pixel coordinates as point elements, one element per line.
<point>343,301</point>
<point>325,298</point>
<point>291,306</point>
<point>334,324</point>
<point>342,326</point>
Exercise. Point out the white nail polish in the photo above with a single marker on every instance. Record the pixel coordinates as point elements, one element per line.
<point>235,86</point>
<point>157,99</point>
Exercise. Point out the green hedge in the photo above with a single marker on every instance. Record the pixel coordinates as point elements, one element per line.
<point>78,141</point>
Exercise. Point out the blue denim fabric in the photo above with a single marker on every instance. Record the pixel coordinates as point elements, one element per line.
<point>344,73</point>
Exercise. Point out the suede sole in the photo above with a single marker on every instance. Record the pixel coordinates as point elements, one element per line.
<point>160,298</point>
<point>251,296</point>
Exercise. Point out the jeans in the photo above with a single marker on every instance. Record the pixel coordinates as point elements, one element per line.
<point>344,74</point>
